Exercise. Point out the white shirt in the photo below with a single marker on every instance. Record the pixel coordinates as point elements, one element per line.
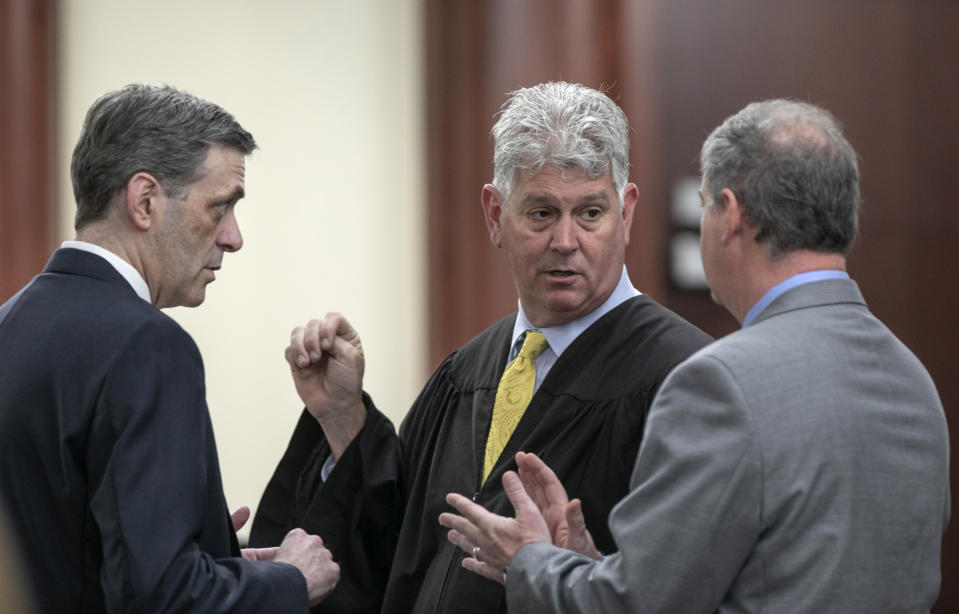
<point>123,267</point>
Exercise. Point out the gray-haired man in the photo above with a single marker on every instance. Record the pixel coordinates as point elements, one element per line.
<point>560,207</point>
<point>798,465</point>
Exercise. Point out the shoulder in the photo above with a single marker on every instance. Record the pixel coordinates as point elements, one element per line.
<point>645,317</point>
<point>482,357</point>
<point>628,351</point>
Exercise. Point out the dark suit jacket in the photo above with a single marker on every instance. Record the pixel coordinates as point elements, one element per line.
<point>108,464</point>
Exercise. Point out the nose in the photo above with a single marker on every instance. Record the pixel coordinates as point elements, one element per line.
<point>564,235</point>
<point>229,238</point>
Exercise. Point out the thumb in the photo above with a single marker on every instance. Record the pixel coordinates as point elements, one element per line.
<point>575,519</point>
<point>239,517</point>
<point>579,538</point>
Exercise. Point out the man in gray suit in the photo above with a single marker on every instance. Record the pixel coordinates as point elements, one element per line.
<point>797,465</point>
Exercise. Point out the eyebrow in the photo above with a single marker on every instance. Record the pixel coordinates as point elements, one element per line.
<point>237,193</point>
<point>545,199</point>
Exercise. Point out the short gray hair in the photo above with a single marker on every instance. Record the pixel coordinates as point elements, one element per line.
<point>795,173</point>
<point>142,128</point>
<point>563,124</point>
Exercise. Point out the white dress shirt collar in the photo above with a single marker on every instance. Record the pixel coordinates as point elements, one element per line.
<point>123,267</point>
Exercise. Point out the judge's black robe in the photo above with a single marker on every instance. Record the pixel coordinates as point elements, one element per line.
<point>378,511</point>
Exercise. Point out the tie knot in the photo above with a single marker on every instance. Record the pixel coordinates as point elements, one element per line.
<point>533,345</point>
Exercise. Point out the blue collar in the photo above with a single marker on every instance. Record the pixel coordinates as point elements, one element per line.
<point>561,336</point>
<point>789,284</point>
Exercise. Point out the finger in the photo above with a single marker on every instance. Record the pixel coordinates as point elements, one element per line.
<point>266,554</point>
<point>460,541</point>
<point>476,514</point>
<point>343,352</point>
<point>239,517</point>
<point>483,569</point>
<point>579,538</point>
<point>342,328</point>
<point>296,354</point>
<point>531,462</point>
<point>543,480</point>
<point>517,495</point>
<point>259,554</point>
<point>461,526</point>
<point>535,489</point>
<point>575,519</point>
<point>313,338</point>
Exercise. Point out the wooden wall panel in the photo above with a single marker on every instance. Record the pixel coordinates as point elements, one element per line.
<point>886,68</point>
<point>26,134</point>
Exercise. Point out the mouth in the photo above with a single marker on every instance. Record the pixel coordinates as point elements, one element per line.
<point>560,275</point>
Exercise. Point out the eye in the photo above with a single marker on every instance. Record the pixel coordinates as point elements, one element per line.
<point>592,213</point>
<point>539,214</point>
<point>221,208</point>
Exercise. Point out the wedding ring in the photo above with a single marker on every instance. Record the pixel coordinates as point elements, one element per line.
<point>475,552</point>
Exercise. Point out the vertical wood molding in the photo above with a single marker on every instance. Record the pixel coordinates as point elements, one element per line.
<point>26,140</point>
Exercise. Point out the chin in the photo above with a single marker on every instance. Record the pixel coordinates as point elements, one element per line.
<point>194,301</point>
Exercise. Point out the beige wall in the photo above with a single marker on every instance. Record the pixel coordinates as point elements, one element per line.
<point>334,217</point>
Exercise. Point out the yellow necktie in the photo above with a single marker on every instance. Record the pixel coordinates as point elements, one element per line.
<point>513,395</point>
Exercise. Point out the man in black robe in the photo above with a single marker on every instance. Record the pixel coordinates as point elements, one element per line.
<point>561,209</point>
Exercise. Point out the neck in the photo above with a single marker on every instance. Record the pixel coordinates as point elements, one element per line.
<point>770,272</point>
<point>111,239</point>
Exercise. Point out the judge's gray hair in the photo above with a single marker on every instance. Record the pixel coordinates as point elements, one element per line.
<point>795,173</point>
<point>156,129</point>
<point>563,124</point>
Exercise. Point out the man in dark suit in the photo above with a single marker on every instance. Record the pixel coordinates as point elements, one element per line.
<point>797,465</point>
<point>108,464</point>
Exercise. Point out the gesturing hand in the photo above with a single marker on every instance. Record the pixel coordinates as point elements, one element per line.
<point>326,359</point>
<point>567,527</point>
<point>497,537</point>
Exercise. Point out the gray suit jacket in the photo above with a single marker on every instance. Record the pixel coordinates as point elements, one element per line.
<point>797,465</point>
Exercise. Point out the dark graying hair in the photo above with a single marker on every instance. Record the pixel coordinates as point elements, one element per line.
<point>795,173</point>
<point>155,129</point>
<point>563,124</point>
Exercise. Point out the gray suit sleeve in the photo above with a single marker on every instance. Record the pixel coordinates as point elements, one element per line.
<point>689,522</point>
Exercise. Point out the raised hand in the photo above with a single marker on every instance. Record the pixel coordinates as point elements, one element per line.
<point>490,539</point>
<point>567,526</point>
<point>327,363</point>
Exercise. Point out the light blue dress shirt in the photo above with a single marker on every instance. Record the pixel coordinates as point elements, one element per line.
<point>561,336</point>
<point>789,284</point>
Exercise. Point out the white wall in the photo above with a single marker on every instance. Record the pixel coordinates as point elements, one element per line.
<point>334,218</point>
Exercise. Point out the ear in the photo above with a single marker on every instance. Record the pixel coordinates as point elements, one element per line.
<point>493,212</point>
<point>735,216</point>
<point>630,198</point>
<point>141,199</point>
